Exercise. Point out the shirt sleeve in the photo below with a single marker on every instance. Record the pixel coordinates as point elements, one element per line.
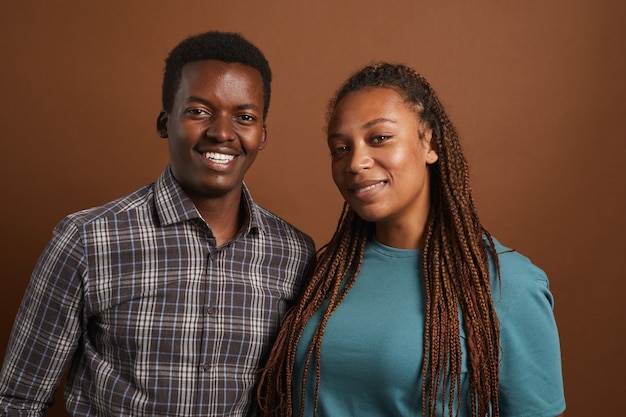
<point>47,327</point>
<point>531,382</point>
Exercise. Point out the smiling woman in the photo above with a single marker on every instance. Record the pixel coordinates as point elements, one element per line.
<point>380,166</point>
<point>413,308</point>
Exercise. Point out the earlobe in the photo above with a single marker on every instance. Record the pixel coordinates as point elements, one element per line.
<point>161,124</point>
<point>431,157</point>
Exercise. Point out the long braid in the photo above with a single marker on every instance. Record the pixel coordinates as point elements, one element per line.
<point>340,257</point>
<point>455,267</point>
<point>456,237</point>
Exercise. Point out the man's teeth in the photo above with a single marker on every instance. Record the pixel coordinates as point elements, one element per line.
<point>219,157</point>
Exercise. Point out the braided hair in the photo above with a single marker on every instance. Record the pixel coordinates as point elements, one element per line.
<point>455,269</point>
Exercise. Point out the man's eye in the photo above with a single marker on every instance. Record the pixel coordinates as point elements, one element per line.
<point>196,112</point>
<point>247,118</point>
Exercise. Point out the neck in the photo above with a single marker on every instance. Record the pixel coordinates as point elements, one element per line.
<point>223,215</point>
<point>401,238</point>
<point>404,233</point>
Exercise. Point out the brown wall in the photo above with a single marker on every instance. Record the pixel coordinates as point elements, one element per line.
<point>535,88</point>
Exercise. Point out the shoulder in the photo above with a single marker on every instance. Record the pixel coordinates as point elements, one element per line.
<point>141,198</point>
<point>515,268</point>
<point>278,227</point>
<point>530,369</point>
<point>520,285</point>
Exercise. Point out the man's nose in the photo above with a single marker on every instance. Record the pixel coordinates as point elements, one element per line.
<point>221,129</point>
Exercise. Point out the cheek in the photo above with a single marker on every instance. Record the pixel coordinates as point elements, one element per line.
<point>399,160</point>
<point>407,157</point>
<point>182,133</point>
<point>251,138</point>
<point>336,173</point>
<point>178,144</point>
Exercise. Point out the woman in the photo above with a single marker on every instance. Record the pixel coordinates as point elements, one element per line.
<point>413,308</point>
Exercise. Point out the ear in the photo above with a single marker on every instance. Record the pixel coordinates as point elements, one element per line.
<point>161,124</point>
<point>431,156</point>
<point>431,152</point>
<point>264,137</point>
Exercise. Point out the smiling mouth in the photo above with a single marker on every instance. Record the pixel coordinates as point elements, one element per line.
<point>358,190</point>
<point>220,158</point>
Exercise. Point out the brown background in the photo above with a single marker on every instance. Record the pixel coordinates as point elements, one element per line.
<point>535,88</point>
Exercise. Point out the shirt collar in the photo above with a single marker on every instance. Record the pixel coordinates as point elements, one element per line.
<point>254,220</point>
<point>174,206</point>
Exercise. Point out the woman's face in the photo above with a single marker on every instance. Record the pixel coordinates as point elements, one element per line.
<point>379,162</point>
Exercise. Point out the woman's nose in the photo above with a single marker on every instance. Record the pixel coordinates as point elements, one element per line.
<point>359,159</point>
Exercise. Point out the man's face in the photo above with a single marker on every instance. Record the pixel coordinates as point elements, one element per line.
<point>215,128</point>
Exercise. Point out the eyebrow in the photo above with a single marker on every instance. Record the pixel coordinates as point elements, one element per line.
<point>245,106</point>
<point>377,121</point>
<point>366,125</point>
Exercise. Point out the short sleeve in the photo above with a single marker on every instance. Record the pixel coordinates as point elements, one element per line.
<point>531,382</point>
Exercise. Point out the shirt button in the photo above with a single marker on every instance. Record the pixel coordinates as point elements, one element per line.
<point>210,310</point>
<point>206,367</point>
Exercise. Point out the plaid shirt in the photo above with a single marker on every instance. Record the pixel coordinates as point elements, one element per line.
<point>154,319</point>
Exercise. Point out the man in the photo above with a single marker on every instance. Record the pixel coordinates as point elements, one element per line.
<point>165,302</point>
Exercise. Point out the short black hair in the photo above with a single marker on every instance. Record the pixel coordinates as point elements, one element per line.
<point>220,46</point>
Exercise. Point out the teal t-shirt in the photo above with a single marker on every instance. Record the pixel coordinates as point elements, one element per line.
<point>372,349</point>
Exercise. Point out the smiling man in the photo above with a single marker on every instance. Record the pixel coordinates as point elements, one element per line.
<point>165,302</point>
<point>215,128</point>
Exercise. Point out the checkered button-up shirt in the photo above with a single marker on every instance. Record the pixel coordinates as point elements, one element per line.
<point>153,318</point>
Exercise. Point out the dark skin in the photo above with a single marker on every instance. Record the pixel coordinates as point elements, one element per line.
<point>215,130</point>
<point>380,164</point>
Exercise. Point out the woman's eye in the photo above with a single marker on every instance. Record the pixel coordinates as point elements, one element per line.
<point>337,150</point>
<point>379,139</point>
